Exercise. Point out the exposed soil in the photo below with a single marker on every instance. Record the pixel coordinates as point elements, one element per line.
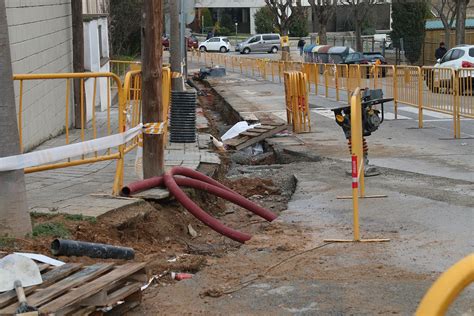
<point>159,232</point>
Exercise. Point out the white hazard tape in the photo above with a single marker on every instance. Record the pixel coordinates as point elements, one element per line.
<point>50,155</point>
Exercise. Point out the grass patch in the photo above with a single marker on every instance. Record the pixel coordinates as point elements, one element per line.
<point>53,229</point>
<point>35,215</point>
<point>80,217</point>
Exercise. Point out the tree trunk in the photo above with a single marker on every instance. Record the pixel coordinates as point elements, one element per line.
<point>77,58</point>
<point>153,145</point>
<point>447,38</point>
<point>461,21</point>
<point>358,34</point>
<point>14,217</point>
<point>323,36</point>
<point>314,19</point>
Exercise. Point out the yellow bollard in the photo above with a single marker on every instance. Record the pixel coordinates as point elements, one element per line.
<point>447,287</point>
<point>357,168</point>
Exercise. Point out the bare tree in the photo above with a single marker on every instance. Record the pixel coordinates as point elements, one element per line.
<point>322,11</point>
<point>446,10</point>
<point>286,13</point>
<point>14,217</point>
<point>461,7</point>
<point>360,10</point>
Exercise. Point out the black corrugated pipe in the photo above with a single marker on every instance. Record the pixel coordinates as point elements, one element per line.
<point>65,247</point>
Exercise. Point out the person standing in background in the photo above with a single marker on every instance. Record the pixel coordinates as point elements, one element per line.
<point>440,51</point>
<point>301,44</point>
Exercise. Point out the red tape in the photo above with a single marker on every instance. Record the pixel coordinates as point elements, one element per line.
<point>355,182</point>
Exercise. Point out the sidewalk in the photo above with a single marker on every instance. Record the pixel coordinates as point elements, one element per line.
<point>86,189</point>
<point>397,144</point>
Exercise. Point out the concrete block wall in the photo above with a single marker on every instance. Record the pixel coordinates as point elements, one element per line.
<point>40,34</point>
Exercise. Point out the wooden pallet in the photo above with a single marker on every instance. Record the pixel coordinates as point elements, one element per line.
<point>255,135</point>
<point>73,289</point>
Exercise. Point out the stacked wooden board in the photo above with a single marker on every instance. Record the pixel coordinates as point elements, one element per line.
<point>255,135</point>
<point>74,289</point>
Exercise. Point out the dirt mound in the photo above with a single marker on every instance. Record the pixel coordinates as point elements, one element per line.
<point>253,186</point>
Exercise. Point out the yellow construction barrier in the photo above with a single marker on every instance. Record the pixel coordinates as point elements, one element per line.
<point>297,106</point>
<point>129,114</point>
<point>68,77</point>
<point>436,89</point>
<point>122,67</point>
<point>447,288</point>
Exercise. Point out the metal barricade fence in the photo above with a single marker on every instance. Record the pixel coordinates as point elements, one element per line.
<point>94,130</point>
<point>122,67</point>
<point>409,88</point>
<point>132,87</point>
<point>437,89</point>
<point>465,78</point>
<point>297,105</point>
<point>128,112</point>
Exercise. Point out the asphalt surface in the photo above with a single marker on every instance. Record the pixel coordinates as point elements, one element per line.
<point>428,215</point>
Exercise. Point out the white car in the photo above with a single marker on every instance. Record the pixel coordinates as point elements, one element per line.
<point>460,58</point>
<point>219,44</point>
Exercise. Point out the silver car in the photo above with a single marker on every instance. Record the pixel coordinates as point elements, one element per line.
<point>268,43</point>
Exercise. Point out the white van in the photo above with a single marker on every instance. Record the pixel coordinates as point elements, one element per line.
<point>268,43</point>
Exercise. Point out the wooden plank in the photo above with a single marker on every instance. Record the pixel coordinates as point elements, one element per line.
<point>56,289</point>
<point>258,130</point>
<point>255,140</point>
<point>131,302</point>
<point>236,141</point>
<point>91,288</point>
<point>122,293</point>
<point>43,266</point>
<point>266,127</point>
<point>49,278</point>
<point>250,134</point>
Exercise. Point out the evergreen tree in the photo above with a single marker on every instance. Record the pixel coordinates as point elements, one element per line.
<point>264,21</point>
<point>299,28</point>
<point>409,24</point>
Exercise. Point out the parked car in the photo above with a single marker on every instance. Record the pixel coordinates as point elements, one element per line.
<point>460,58</point>
<point>192,42</point>
<point>369,58</point>
<point>266,43</point>
<point>220,44</point>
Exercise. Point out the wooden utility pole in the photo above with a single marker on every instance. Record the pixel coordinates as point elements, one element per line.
<point>175,46</point>
<point>153,145</point>
<point>77,58</point>
<point>14,216</point>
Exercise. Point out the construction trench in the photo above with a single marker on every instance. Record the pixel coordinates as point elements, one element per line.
<point>163,233</point>
<point>285,267</point>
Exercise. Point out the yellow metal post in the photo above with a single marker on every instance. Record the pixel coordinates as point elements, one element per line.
<point>20,116</point>
<point>357,167</point>
<point>448,286</point>
<point>395,91</point>
<point>316,77</point>
<point>420,98</point>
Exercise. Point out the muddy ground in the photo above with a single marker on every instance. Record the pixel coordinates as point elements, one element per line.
<point>285,264</point>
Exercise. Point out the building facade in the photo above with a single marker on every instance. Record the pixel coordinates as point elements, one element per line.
<point>40,33</point>
<point>40,42</point>
<point>243,12</point>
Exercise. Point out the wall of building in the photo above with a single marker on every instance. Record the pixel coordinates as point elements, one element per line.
<point>41,42</point>
<point>96,60</point>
